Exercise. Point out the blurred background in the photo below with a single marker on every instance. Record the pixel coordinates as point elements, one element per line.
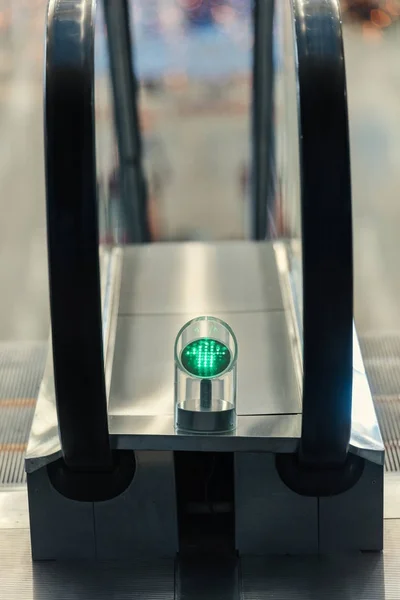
<point>193,60</point>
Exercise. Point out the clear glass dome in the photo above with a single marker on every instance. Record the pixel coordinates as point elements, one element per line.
<point>205,376</point>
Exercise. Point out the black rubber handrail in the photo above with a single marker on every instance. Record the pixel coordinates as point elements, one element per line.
<point>72,232</point>
<point>326,211</point>
<point>327,251</point>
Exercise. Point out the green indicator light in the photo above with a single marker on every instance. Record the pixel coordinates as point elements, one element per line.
<point>205,357</point>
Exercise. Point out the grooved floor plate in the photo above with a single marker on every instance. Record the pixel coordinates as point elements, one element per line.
<point>381,355</point>
<point>21,371</point>
<point>22,580</point>
<point>388,413</point>
<point>194,577</point>
<point>351,577</point>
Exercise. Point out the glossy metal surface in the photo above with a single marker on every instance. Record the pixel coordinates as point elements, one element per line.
<point>278,433</point>
<point>236,282</point>
<point>143,372</point>
<point>264,506</point>
<point>64,529</point>
<point>171,279</point>
<point>141,396</point>
<point>348,522</point>
<point>111,271</point>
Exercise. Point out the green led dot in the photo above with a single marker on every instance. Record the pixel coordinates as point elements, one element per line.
<point>205,357</point>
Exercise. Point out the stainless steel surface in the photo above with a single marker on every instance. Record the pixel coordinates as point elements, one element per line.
<point>267,382</point>
<point>143,371</point>
<point>142,388</point>
<point>270,518</point>
<point>141,397</point>
<point>163,279</point>
<point>275,433</point>
<point>353,521</point>
<point>111,269</point>
<point>59,527</point>
<point>264,505</point>
<point>141,521</point>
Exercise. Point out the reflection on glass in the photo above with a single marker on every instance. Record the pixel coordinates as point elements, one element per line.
<point>205,376</point>
<point>110,206</point>
<point>285,215</point>
<point>193,62</point>
<point>107,159</point>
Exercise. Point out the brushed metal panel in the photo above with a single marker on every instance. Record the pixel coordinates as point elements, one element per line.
<point>353,521</point>
<point>273,433</point>
<point>142,521</point>
<point>61,529</point>
<point>173,278</point>
<point>270,518</point>
<point>143,372</point>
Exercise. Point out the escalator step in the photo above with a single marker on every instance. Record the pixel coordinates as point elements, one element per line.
<point>21,371</point>
<point>381,353</point>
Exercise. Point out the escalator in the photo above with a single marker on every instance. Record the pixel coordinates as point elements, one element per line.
<point>286,501</point>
